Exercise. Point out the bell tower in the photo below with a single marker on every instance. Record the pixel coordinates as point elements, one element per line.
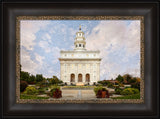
<point>80,43</point>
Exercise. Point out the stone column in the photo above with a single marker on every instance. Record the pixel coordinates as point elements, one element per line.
<point>76,72</point>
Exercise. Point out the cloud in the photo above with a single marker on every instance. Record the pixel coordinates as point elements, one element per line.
<point>28,32</point>
<point>45,45</point>
<point>28,64</point>
<point>39,59</point>
<point>118,44</point>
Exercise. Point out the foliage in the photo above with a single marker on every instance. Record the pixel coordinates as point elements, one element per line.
<point>120,85</point>
<point>24,76</point>
<point>118,90</point>
<point>101,92</point>
<point>57,93</point>
<point>54,88</point>
<point>135,96</point>
<point>30,90</point>
<point>135,85</point>
<point>23,85</point>
<point>133,80</point>
<point>127,78</point>
<point>110,85</point>
<point>96,89</point>
<point>55,80</point>
<point>23,96</point>
<point>129,91</point>
<point>32,79</point>
<point>43,83</point>
<point>41,90</point>
<point>120,79</point>
<point>116,86</point>
<point>39,77</point>
<point>104,82</point>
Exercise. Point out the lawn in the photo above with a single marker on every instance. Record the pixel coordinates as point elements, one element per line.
<point>32,97</point>
<point>135,96</point>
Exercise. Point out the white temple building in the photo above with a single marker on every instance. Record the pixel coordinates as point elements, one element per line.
<point>80,66</point>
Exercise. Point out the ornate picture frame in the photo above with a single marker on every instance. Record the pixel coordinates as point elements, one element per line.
<point>13,107</point>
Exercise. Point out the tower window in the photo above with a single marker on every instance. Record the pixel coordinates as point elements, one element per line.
<point>79,45</point>
<point>76,45</point>
<point>83,45</point>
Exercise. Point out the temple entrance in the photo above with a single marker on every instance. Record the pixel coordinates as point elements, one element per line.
<point>79,77</point>
<point>87,78</point>
<point>72,78</point>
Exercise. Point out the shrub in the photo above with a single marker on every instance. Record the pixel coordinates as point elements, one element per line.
<point>41,90</point>
<point>110,85</point>
<point>99,92</point>
<point>135,85</point>
<point>96,89</point>
<point>57,93</point>
<point>31,90</point>
<point>121,85</point>
<point>116,86</point>
<point>118,90</point>
<point>23,85</point>
<point>129,91</point>
<point>55,87</point>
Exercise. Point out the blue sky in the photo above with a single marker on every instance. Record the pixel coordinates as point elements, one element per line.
<point>117,40</point>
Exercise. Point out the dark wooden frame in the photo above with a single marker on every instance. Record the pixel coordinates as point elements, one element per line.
<point>151,69</point>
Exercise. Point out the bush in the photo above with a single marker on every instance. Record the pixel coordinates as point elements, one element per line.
<point>116,86</point>
<point>23,85</point>
<point>135,85</point>
<point>118,90</point>
<point>54,89</point>
<point>99,92</point>
<point>41,90</point>
<point>96,89</point>
<point>121,85</point>
<point>57,93</point>
<point>30,90</point>
<point>110,85</point>
<point>130,91</point>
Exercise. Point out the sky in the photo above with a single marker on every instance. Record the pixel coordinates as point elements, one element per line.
<point>118,41</point>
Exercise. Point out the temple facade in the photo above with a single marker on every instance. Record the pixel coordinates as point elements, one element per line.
<point>80,66</point>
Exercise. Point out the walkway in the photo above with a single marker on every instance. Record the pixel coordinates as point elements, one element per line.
<point>78,94</point>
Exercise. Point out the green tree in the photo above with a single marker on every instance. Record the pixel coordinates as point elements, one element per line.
<point>32,79</point>
<point>119,78</point>
<point>39,77</point>
<point>24,76</point>
<point>126,78</point>
<point>132,80</point>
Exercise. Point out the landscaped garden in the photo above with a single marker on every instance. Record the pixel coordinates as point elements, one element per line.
<point>39,87</point>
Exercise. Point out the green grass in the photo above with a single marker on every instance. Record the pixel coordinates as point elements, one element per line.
<point>135,96</point>
<point>31,97</point>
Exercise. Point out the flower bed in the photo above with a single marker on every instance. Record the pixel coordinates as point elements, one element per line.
<point>55,92</point>
<point>101,92</point>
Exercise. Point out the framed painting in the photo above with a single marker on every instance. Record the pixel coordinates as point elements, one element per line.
<point>91,59</point>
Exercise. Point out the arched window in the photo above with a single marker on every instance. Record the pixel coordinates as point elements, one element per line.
<point>79,77</point>
<point>83,45</point>
<point>79,45</point>
<point>87,78</point>
<point>72,78</point>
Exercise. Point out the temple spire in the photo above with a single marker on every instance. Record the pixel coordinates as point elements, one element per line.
<point>80,43</point>
<point>80,27</point>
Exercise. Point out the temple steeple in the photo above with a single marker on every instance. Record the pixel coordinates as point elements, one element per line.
<point>80,42</point>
